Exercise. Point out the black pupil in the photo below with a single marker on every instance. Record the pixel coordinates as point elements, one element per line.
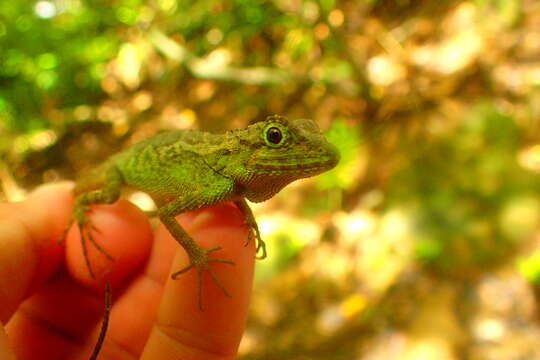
<point>273,135</point>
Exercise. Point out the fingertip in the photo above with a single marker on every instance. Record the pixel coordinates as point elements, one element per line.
<point>60,186</point>
<point>48,208</point>
<point>122,231</point>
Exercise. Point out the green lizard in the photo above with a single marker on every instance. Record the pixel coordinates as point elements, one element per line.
<point>185,170</point>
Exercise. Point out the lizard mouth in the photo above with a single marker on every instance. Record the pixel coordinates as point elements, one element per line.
<point>297,164</point>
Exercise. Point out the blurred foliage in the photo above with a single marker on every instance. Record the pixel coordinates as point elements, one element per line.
<point>422,244</point>
<point>483,199</point>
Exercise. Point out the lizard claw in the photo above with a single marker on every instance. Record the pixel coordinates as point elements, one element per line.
<point>62,239</point>
<point>90,237</point>
<point>250,221</point>
<point>250,234</point>
<point>261,245</point>
<point>86,229</point>
<point>93,227</point>
<point>201,262</point>
<point>252,227</point>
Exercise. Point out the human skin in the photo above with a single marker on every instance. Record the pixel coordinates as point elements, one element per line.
<point>52,309</point>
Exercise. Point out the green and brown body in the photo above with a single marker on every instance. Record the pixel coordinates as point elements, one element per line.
<point>187,169</point>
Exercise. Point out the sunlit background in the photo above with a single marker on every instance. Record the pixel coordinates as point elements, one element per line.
<point>424,243</point>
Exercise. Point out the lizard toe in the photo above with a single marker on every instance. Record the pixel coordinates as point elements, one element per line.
<point>200,260</point>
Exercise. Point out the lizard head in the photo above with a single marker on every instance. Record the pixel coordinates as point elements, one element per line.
<point>284,151</point>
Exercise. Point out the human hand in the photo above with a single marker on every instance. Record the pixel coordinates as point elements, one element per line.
<point>52,309</point>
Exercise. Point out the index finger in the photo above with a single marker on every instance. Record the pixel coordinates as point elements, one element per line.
<point>182,330</point>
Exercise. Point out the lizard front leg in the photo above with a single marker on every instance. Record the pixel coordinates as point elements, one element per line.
<point>198,258</point>
<point>252,224</point>
<point>107,195</point>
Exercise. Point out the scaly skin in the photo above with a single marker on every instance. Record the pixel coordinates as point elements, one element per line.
<point>187,169</point>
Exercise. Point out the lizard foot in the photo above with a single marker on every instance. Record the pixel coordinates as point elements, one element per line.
<point>201,262</point>
<point>250,221</point>
<point>86,229</point>
<point>261,245</point>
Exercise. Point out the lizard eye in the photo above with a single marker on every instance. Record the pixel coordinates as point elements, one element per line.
<point>273,135</point>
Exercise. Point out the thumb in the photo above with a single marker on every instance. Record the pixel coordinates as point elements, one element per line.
<point>29,253</point>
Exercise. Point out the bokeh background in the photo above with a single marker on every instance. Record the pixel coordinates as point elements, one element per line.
<point>423,243</point>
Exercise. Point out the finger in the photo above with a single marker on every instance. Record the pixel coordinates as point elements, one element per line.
<point>29,253</point>
<point>56,321</point>
<point>127,333</point>
<point>5,351</point>
<point>59,320</point>
<point>182,330</point>
<point>123,232</point>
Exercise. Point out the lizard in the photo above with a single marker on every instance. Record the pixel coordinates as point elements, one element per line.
<point>183,170</point>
